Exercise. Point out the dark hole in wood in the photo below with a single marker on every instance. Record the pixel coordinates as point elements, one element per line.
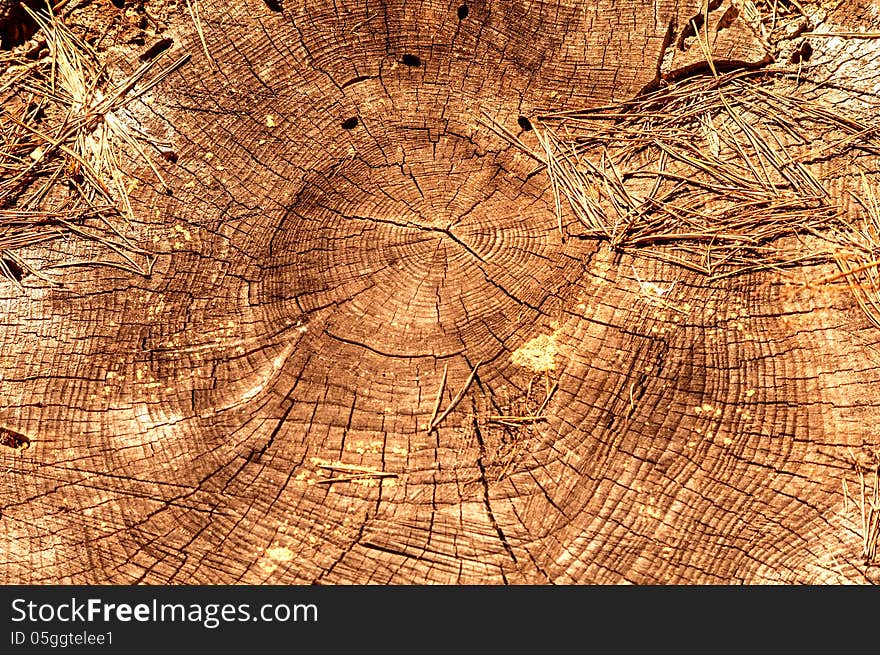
<point>274,5</point>
<point>803,53</point>
<point>12,269</point>
<point>119,4</point>
<point>170,155</point>
<point>36,112</point>
<point>350,123</point>
<point>411,60</point>
<point>39,51</point>
<point>13,439</point>
<point>524,123</point>
<point>690,31</point>
<point>138,40</point>
<point>143,23</point>
<point>463,12</point>
<point>156,49</point>
<point>728,18</point>
<point>16,28</point>
<point>806,51</point>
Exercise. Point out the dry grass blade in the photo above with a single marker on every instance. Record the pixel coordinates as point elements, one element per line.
<point>456,399</point>
<point>352,473</point>
<point>193,8</point>
<point>514,420</point>
<point>867,504</point>
<point>439,398</point>
<point>845,35</point>
<point>550,392</point>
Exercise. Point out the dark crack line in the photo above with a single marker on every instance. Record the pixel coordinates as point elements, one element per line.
<point>359,344</point>
<point>485,484</point>
<point>255,455</point>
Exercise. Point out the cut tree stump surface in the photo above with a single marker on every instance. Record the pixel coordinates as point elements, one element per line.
<point>346,242</point>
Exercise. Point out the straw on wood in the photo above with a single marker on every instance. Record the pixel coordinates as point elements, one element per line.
<point>720,174</point>
<point>62,142</point>
<point>709,172</point>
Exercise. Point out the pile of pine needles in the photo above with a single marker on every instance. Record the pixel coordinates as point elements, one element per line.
<point>63,137</point>
<point>710,172</point>
<point>720,174</point>
<point>859,255</point>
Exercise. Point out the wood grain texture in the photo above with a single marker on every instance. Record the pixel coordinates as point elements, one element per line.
<point>316,277</point>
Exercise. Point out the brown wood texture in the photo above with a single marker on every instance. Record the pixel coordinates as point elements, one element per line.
<point>321,281</point>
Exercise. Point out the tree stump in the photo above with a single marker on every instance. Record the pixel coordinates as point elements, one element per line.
<point>369,351</point>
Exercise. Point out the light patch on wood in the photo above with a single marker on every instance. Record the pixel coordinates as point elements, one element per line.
<point>186,234</point>
<point>375,447</point>
<point>268,375</point>
<point>273,557</point>
<point>280,554</point>
<point>538,355</point>
<point>252,393</point>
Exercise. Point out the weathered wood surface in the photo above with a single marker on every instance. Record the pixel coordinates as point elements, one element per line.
<point>317,277</point>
